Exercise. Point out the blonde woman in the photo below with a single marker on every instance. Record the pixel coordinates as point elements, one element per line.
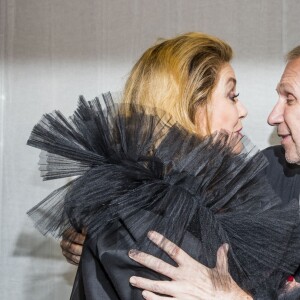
<point>170,158</point>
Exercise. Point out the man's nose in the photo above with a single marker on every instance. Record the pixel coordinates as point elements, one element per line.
<point>276,115</point>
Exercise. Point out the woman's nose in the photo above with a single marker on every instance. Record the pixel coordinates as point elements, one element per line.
<point>242,110</point>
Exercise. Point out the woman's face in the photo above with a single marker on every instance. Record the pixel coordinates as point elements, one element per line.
<point>226,111</point>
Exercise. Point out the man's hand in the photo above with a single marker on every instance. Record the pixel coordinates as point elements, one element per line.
<point>190,280</point>
<point>71,245</point>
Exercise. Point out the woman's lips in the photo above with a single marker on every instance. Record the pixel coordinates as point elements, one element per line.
<point>239,132</point>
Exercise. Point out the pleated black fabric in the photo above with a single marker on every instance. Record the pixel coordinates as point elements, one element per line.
<point>138,171</point>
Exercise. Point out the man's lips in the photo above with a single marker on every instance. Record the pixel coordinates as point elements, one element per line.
<point>285,137</point>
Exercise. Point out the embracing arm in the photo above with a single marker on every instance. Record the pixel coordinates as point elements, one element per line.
<point>190,280</point>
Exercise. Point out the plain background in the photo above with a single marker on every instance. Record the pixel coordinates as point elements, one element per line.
<point>51,51</point>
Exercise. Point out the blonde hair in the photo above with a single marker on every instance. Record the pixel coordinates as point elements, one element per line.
<point>293,54</point>
<point>177,75</point>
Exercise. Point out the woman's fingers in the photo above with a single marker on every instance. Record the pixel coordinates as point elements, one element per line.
<point>158,287</point>
<point>153,263</point>
<point>177,254</point>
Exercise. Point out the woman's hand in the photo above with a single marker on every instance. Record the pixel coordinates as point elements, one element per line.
<point>190,280</point>
<point>72,245</point>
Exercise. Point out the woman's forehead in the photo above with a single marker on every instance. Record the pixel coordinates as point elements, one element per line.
<point>227,75</point>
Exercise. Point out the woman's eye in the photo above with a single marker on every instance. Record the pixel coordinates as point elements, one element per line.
<point>234,97</point>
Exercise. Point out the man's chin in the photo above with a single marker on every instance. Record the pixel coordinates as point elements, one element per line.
<point>292,156</point>
<point>292,161</point>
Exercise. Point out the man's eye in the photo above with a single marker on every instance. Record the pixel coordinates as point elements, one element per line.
<point>290,100</point>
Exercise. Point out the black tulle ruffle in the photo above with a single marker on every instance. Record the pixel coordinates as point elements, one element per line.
<point>128,159</point>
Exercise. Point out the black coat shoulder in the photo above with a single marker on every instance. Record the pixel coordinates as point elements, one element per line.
<point>284,177</point>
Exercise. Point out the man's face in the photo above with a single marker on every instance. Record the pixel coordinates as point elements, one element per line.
<point>286,113</point>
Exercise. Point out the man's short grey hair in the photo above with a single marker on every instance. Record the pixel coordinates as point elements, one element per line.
<point>293,54</point>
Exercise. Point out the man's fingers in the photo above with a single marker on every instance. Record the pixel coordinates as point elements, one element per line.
<point>151,296</point>
<point>71,258</point>
<point>158,287</point>
<point>72,245</point>
<point>222,259</point>
<point>79,238</point>
<point>74,236</point>
<point>153,263</point>
<point>71,262</point>
<point>176,253</point>
<point>220,275</point>
<point>71,248</point>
